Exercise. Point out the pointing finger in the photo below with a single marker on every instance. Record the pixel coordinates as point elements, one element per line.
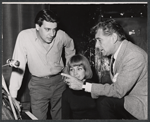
<point>66,75</point>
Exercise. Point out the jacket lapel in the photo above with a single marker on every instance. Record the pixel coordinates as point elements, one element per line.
<point>120,56</point>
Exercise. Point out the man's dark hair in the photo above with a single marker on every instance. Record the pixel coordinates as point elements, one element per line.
<point>46,15</point>
<point>109,27</point>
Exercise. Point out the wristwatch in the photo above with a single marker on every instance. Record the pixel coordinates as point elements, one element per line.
<point>83,86</point>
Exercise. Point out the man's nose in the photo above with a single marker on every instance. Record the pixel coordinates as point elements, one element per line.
<point>51,33</point>
<point>98,45</point>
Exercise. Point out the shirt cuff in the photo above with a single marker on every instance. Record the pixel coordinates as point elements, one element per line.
<point>88,87</point>
<point>13,94</point>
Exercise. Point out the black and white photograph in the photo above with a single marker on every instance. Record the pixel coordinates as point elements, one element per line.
<point>74,61</point>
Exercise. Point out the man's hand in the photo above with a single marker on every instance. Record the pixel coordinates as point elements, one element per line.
<point>73,82</point>
<point>64,71</point>
<point>17,104</point>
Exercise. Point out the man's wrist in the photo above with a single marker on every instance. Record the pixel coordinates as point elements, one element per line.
<point>13,93</point>
<point>83,86</point>
<point>87,87</point>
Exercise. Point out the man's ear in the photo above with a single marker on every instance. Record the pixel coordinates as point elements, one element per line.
<point>37,26</point>
<point>114,37</point>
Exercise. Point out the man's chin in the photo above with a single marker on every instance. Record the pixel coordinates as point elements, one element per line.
<point>48,42</point>
<point>104,54</point>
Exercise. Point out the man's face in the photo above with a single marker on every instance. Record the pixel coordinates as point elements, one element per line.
<point>104,43</point>
<point>47,31</point>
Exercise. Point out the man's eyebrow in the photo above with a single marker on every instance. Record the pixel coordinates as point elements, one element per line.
<point>97,38</point>
<point>50,28</point>
<point>47,27</point>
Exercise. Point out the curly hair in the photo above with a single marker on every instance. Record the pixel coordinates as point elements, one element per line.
<point>109,27</point>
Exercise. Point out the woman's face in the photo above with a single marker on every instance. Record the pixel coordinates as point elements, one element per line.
<point>77,72</point>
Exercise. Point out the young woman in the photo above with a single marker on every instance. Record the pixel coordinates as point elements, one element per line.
<point>78,104</point>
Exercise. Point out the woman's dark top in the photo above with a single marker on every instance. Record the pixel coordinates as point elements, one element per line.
<point>78,105</point>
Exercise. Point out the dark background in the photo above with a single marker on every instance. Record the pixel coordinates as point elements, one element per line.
<point>76,20</point>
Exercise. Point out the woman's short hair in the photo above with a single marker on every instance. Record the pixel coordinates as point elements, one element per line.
<point>80,60</point>
<point>46,15</point>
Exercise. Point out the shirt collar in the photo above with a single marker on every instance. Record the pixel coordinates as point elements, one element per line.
<point>116,53</point>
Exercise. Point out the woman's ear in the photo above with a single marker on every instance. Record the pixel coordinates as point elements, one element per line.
<point>37,26</point>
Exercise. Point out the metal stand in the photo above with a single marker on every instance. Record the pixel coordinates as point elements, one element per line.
<point>9,98</point>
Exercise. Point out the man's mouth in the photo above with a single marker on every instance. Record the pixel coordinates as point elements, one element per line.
<point>49,38</point>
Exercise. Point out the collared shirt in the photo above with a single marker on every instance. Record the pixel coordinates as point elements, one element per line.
<point>41,62</point>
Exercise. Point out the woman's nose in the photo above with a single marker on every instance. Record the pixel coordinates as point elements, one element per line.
<point>75,72</point>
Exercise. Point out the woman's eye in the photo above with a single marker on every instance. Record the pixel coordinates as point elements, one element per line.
<point>71,69</point>
<point>80,68</point>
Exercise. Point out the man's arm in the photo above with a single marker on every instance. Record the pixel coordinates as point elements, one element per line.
<point>125,81</point>
<point>128,76</point>
<point>18,73</point>
<point>69,47</point>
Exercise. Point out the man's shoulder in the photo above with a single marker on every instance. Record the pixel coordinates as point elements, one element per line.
<point>135,49</point>
<point>27,35</point>
<point>28,31</point>
<point>132,53</point>
<point>62,35</point>
<point>129,48</point>
<point>61,32</point>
